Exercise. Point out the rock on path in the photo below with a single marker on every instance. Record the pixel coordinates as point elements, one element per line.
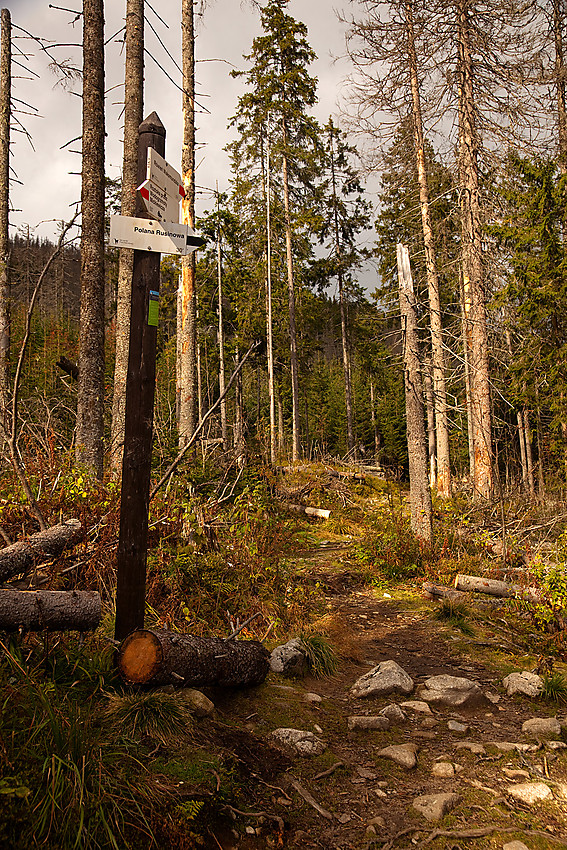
<point>386,678</point>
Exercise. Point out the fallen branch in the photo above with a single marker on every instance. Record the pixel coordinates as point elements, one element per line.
<point>173,466</point>
<point>277,818</point>
<point>441,592</point>
<point>309,799</point>
<point>22,556</point>
<point>495,587</point>
<point>237,631</point>
<point>329,771</point>
<point>317,512</point>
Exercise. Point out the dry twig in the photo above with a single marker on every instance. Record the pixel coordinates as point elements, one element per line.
<point>309,799</point>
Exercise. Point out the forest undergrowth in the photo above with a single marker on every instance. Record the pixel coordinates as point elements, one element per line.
<point>87,762</point>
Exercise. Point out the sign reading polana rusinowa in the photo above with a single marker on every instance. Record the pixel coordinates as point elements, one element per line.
<point>144,234</point>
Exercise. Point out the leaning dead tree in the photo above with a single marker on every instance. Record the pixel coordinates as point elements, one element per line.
<point>5,97</point>
<point>51,610</point>
<point>153,657</point>
<point>23,556</point>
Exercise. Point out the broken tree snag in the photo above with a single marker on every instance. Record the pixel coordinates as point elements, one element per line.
<point>322,513</point>
<point>21,557</point>
<point>69,367</point>
<point>156,657</point>
<point>494,587</point>
<point>54,610</point>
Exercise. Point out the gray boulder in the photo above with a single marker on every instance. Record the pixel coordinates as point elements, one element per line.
<point>300,741</point>
<point>454,691</point>
<point>433,807</point>
<point>529,684</point>
<point>542,727</point>
<point>289,659</point>
<point>386,678</point>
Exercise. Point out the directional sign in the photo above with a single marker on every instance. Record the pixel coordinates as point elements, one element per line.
<point>145,234</point>
<point>159,205</point>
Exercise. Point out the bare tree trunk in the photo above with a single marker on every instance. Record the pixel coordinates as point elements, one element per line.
<point>374,421</point>
<point>472,262</point>
<point>443,476</point>
<point>420,494</point>
<point>540,476</point>
<point>281,430</point>
<point>294,366</point>
<point>430,407</point>
<point>5,99</point>
<point>90,397</point>
<point>523,457</point>
<point>529,456</point>
<point>51,610</point>
<point>222,375</point>
<point>465,308</point>
<point>269,316</point>
<point>239,443</point>
<point>187,299</point>
<point>133,117</point>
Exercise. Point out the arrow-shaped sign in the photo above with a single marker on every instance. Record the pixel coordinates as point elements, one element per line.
<point>159,204</point>
<point>144,234</point>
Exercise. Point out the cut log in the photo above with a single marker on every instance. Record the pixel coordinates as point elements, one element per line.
<point>152,657</point>
<point>53,610</point>
<point>495,587</point>
<point>322,513</point>
<point>441,592</point>
<point>21,557</point>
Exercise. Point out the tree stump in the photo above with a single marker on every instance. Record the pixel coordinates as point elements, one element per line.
<point>158,657</point>
<point>53,610</point>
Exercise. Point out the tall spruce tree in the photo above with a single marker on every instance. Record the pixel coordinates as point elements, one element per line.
<point>280,91</point>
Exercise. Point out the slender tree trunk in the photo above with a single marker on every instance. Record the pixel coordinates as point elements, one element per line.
<point>187,297</point>
<point>224,429</point>
<point>342,304</point>
<point>529,456</point>
<point>90,398</point>
<point>133,117</point>
<point>465,308</point>
<point>523,456</point>
<point>472,262</point>
<point>294,366</point>
<point>239,443</point>
<point>560,83</point>
<point>269,316</point>
<point>420,494</point>
<point>443,476</point>
<point>281,430</point>
<point>5,99</point>
<point>374,421</point>
<point>430,408</point>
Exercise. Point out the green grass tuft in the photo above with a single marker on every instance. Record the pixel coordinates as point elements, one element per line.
<point>456,614</point>
<point>154,714</point>
<point>555,688</point>
<point>321,656</point>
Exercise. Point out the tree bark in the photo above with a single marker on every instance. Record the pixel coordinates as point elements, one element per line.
<point>472,261</point>
<point>442,479</point>
<point>431,442</point>
<point>5,98</point>
<point>23,556</point>
<point>90,397</point>
<point>168,658</point>
<point>269,314</point>
<point>420,494</point>
<point>494,587</point>
<point>51,610</point>
<point>440,592</point>
<point>294,365</point>
<point>187,297</point>
<point>133,116</point>
<point>374,421</point>
<point>222,374</point>
<point>465,308</point>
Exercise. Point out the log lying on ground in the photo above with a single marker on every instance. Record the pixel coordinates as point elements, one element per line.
<point>495,587</point>
<point>54,610</point>
<point>322,513</point>
<point>21,557</point>
<point>442,592</point>
<point>157,657</point>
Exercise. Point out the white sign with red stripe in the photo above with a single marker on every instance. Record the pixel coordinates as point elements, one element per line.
<point>162,190</point>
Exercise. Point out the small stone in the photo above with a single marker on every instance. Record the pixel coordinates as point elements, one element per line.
<point>197,703</point>
<point>513,773</point>
<point>416,705</point>
<point>530,792</point>
<point>560,790</point>
<point>403,754</point>
<point>514,845</point>
<point>433,807</point>
<point>289,659</point>
<point>556,745</point>
<point>453,691</point>
<point>429,722</point>
<point>365,722</point>
<point>317,728</point>
<point>393,712</point>
<point>344,818</point>
<point>542,727</point>
<point>250,830</point>
<point>508,746</point>
<point>312,698</point>
<point>471,746</point>
<point>379,792</point>
<point>443,770</point>
<point>386,678</point>
<point>459,728</point>
<point>302,742</point>
<point>377,821</point>
<point>371,830</point>
<point>526,683</point>
<point>365,773</point>
<point>493,698</point>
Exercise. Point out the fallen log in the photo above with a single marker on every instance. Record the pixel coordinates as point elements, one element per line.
<point>21,557</point>
<point>495,587</point>
<point>159,657</point>
<point>51,610</point>
<point>322,513</point>
<point>441,592</point>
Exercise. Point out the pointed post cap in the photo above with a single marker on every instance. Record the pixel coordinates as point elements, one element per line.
<point>152,124</point>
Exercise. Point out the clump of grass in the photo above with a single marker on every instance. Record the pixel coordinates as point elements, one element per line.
<point>154,714</point>
<point>555,688</point>
<point>321,656</point>
<point>456,614</point>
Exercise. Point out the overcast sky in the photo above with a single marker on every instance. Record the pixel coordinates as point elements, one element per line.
<point>225,31</point>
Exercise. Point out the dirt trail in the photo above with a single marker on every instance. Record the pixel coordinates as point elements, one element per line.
<point>369,798</point>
